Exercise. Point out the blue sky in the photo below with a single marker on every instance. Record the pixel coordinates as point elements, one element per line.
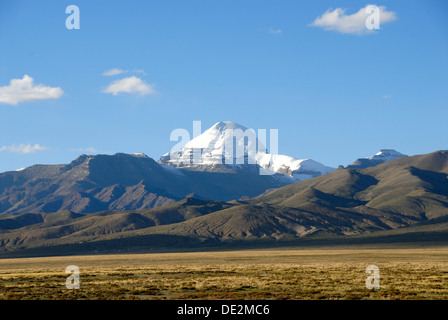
<point>334,96</point>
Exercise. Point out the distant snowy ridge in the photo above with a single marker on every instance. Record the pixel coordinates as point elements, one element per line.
<point>300,169</point>
<point>387,155</point>
<point>382,156</point>
<point>139,155</point>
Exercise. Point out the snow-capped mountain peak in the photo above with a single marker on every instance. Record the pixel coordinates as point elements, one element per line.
<point>387,155</point>
<point>139,155</point>
<point>229,143</point>
<point>381,156</point>
<point>214,137</point>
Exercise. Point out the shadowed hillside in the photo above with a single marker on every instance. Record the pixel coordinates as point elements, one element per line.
<point>403,199</point>
<point>123,182</point>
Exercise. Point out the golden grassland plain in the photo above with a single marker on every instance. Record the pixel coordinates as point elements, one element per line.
<point>253,274</point>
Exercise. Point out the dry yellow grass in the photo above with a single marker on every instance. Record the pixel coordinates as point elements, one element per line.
<point>255,274</point>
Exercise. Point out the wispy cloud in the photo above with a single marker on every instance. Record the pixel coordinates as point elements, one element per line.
<point>387,96</point>
<point>141,71</point>
<point>275,31</point>
<point>113,72</point>
<point>23,90</point>
<point>337,20</point>
<point>130,85</point>
<point>84,150</point>
<point>23,148</point>
<point>116,71</point>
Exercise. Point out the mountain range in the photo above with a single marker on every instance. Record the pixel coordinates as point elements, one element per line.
<point>125,202</point>
<point>402,197</point>
<point>123,182</point>
<point>134,181</point>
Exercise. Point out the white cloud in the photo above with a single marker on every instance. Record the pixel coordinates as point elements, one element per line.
<point>130,85</point>
<point>22,90</point>
<point>23,148</point>
<point>84,150</point>
<point>140,71</point>
<point>355,23</point>
<point>387,96</point>
<point>275,31</point>
<point>113,72</point>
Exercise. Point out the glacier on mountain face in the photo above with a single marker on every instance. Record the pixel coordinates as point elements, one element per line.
<point>227,143</point>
